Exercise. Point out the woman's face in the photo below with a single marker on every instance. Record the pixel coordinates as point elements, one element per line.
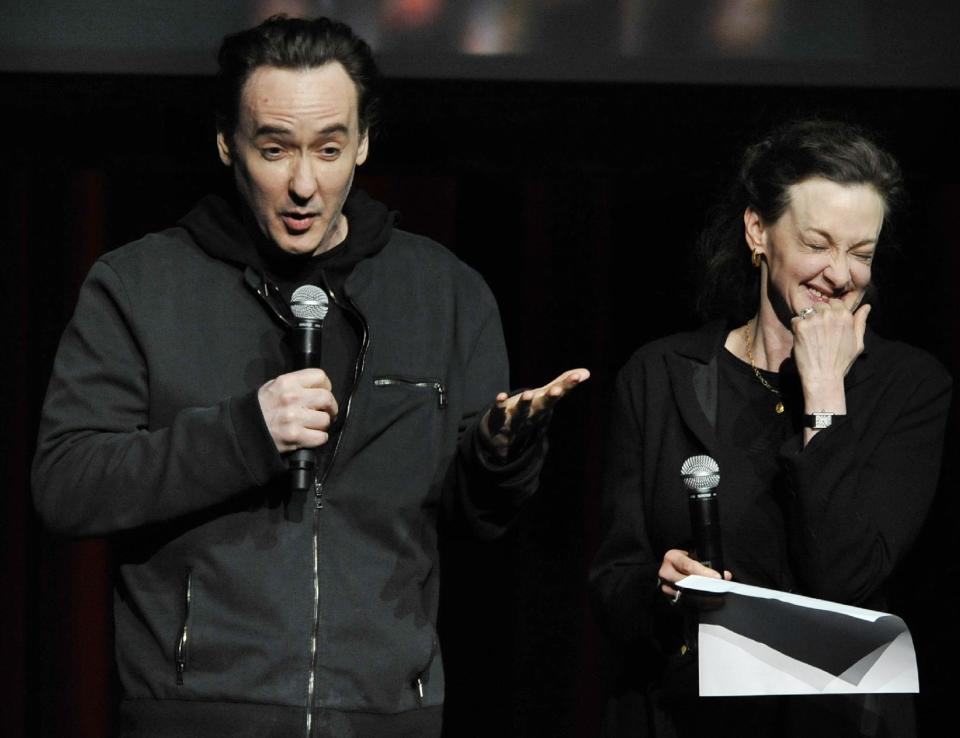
<point>820,248</point>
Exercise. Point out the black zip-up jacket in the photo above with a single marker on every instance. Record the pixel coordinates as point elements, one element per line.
<point>238,606</point>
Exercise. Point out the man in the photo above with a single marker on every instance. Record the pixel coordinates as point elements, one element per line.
<point>243,607</point>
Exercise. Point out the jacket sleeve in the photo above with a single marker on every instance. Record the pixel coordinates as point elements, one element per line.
<point>100,467</point>
<point>485,492</point>
<point>623,578</point>
<point>859,492</point>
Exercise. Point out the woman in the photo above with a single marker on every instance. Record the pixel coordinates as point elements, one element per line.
<point>827,436</point>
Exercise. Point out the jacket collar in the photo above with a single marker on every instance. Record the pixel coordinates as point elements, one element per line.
<point>703,344</point>
<point>694,379</point>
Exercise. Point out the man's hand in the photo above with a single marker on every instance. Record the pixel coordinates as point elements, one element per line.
<point>514,418</point>
<point>298,408</point>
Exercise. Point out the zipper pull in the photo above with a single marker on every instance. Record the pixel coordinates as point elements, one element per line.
<point>442,395</point>
<point>317,494</point>
<point>420,691</point>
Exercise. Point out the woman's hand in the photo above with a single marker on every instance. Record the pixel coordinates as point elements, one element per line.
<point>677,564</point>
<point>826,342</point>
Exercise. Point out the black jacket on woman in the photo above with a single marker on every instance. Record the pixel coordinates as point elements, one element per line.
<point>842,513</point>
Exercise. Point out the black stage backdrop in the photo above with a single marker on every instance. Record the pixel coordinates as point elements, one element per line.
<point>579,203</point>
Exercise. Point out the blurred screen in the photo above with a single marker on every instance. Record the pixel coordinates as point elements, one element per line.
<point>871,42</point>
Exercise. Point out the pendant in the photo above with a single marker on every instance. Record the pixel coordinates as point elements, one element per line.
<point>779,408</point>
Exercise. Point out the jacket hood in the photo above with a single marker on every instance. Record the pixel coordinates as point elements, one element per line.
<point>225,229</point>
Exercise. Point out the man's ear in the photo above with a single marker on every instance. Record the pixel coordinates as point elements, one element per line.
<point>364,148</point>
<point>223,148</point>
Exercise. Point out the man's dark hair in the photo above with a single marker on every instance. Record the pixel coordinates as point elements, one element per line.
<point>293,43</point>
<point>795,152</point>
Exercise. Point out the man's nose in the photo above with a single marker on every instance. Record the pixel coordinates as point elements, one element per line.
<point>303,181</point>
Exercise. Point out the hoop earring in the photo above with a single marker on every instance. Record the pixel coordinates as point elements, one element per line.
<point>756,258</point>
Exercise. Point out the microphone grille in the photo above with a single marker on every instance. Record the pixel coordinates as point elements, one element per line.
<point>309,302</point>
<point>700,473</point>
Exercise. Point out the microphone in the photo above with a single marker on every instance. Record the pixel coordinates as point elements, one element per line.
<point>309,305</point>
<point>701,475</point>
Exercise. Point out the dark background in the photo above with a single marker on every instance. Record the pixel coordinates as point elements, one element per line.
<point>580,204</point>
<point>866,43</point>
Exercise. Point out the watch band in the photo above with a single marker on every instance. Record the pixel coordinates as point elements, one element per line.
<point>819,421</point>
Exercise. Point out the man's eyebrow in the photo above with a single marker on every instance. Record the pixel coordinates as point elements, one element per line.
<point>334,128</point>
<point>268,130</point>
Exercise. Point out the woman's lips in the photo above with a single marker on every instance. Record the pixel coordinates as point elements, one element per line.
<point>816,295</point>
<point>298,222</point>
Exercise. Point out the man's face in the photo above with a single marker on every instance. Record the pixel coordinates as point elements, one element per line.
<point>294,151</point>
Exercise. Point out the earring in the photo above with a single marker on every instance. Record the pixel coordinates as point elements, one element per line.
<point>755,258</point>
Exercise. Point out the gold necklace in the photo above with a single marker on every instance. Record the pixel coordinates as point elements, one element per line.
<point>778,408</point>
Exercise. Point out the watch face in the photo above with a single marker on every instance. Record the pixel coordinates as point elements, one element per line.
<point>819,421</point>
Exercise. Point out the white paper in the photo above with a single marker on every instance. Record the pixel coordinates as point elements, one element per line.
<point>736,659</point>
<point>719,586</point>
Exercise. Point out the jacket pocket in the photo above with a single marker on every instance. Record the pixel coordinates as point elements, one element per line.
<point>183,637</point>
<point>433,385</point>
<point>421,679</point>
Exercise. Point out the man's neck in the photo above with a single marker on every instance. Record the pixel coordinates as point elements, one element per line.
<point>336,236</point>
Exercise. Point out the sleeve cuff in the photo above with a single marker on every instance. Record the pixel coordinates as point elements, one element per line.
<point>519,471</point>
<point>257,450</point>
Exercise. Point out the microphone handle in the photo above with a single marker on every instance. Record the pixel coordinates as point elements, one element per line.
<point>302,465</point>
<point>705,519</point>
<point>305,338</point>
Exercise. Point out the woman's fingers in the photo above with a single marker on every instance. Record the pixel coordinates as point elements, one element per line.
<point>678,564</point>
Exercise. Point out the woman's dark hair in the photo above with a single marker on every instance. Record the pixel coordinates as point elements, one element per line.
<point>293,43</point>
<point>795,152</point>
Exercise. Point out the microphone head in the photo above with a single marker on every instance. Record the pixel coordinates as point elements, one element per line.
<point>700,473</point>
<point>309,302</point>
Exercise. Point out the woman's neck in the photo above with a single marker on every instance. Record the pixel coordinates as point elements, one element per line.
<point>763,342</point>
<point>772,340</point>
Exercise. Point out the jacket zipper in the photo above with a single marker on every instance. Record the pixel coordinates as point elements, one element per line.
<point>316,626</point>
<point>437,387</point>
<point>183,640</point>
<point>318,503</point>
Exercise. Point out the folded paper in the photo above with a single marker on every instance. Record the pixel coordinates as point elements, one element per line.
<point>756,641</point>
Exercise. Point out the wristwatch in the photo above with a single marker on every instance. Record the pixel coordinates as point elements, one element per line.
<point>819,421</point>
